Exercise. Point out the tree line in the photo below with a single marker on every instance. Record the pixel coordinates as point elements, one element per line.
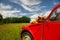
<point>23,19</point>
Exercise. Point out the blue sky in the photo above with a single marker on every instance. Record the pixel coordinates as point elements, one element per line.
<point>30,8</point>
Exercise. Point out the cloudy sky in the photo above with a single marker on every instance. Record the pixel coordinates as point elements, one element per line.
<point>30,8</point>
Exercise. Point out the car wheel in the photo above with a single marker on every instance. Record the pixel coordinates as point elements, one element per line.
<point>26,36</point>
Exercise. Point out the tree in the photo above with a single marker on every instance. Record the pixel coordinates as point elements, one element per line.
<point>1,18</point>
<point>24,19</point>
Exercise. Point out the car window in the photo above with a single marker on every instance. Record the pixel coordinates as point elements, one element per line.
<point>58,18</point>
<point>56,15</point>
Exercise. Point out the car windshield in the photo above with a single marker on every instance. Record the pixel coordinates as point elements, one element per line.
<point>55,15</point>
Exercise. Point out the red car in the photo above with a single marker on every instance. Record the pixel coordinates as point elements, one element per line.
<point>47,29</point>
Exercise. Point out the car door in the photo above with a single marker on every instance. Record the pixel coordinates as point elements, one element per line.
<point>52,31</point>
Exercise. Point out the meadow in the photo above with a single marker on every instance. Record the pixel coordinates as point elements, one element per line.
<point>11,31</point>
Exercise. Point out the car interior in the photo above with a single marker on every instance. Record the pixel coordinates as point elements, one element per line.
<point>56,15</point>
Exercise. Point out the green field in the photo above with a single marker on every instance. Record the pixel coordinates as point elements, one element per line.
<point>11,31</point>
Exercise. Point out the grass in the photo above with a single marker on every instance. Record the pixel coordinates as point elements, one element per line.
<point>11,31</point>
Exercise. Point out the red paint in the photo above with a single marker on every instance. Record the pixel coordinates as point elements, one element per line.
<point>47,30</point>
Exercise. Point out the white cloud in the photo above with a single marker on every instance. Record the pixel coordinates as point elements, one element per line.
<point>45,13</point>
<point>25,7</point>
<point>34,16</point>
<point>29,5</point>
<point>24,14</point>
<point>27,2</point>
<point>4,7</point>
<point>15,1</point>
<point>36,8</point>
<point>55,3</point>
<point>31,2</point>
<point>7,13</point>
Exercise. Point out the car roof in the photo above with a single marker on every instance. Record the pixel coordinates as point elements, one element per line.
<point>56,7</point>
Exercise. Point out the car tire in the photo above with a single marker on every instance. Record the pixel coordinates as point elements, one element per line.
<point>26,36</point>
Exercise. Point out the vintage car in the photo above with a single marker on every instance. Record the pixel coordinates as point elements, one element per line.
<point>47,29</point>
